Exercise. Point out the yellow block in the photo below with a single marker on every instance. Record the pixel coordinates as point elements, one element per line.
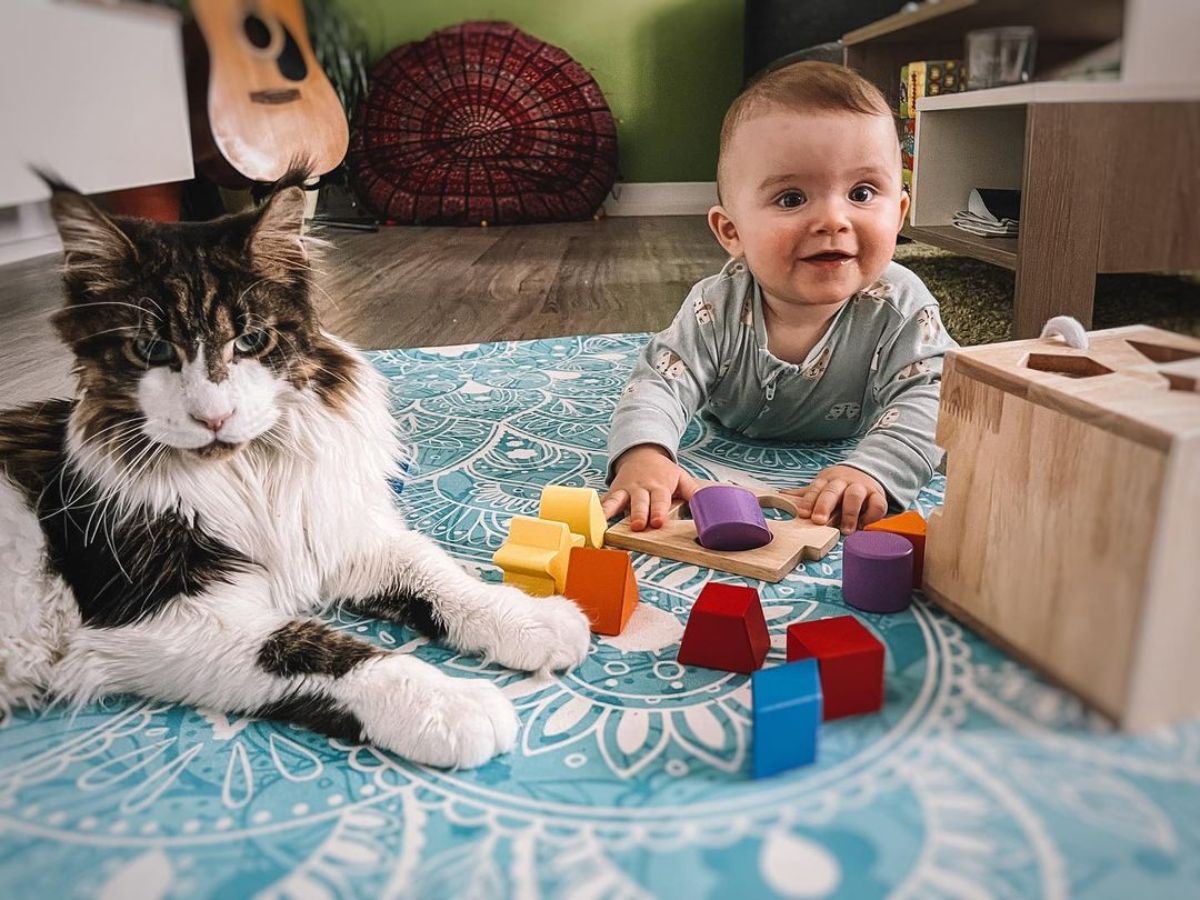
<point>579,508</point>
<point>535,555</point>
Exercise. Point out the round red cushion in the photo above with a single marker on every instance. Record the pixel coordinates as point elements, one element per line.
<point>482,123</point>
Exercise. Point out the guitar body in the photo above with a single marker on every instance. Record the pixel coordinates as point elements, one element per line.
<point>259,100</point>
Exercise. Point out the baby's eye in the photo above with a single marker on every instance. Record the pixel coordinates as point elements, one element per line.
<point>790,200</point>
<point>862,194</point>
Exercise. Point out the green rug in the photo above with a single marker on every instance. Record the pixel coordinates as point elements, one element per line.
<point>976,297</point>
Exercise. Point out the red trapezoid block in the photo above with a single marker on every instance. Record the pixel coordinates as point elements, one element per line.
<point>726,630</point>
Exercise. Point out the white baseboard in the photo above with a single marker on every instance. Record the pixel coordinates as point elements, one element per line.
<point>662,198</point>
<point>27,231</point>
<point>28,248</point>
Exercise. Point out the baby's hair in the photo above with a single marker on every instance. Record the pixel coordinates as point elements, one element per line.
<point>803,86</point>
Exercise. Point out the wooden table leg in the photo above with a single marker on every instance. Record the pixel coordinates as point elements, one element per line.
<point>1066,154</point>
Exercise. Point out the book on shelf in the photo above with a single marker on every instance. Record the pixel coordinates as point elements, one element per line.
<point>928,78</point>
<point>908,139</point>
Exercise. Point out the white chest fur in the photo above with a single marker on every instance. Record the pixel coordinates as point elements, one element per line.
<point>299,503</point>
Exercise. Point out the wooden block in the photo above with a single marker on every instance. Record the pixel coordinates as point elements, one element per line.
<point>535,555</point>
<point>726,630</point>
<point>910,525</point>
<point>1072,505</point>
<point>791,541</point>
<point>579,508</point>
<point>602,583</point>
<point>877,571</point>
<point>850,659</point>
<point>787,717</point>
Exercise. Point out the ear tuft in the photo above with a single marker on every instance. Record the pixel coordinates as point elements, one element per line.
<point>95,249</point>
<point>277,246</point>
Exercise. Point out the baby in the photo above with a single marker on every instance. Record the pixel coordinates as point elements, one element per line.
<point>810,331</point>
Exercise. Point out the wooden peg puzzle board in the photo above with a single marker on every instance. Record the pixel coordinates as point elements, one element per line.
<point>792,540</point>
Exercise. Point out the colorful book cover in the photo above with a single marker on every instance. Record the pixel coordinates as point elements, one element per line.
<point>931,77</point>
<point>908,141</point>
<point>904,109</point>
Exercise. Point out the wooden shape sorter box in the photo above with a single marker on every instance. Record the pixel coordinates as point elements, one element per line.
<point>1069,533</point>
<point>791,541</point>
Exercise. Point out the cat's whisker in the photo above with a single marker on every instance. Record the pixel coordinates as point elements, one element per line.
<point>91,304</point>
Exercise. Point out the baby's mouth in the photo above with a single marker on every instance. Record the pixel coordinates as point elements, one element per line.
<point>828,259</point>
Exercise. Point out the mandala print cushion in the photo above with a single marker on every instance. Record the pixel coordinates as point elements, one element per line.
<point>483,123</point>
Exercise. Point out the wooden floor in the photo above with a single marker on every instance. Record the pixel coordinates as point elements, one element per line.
<point>415,287</point>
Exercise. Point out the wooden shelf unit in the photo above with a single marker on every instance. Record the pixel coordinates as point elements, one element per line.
<point>1107,170</point>
<point>1001,251</point>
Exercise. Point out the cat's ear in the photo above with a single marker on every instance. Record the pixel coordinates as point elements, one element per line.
<point>277,246</point>
<point>97,253</point>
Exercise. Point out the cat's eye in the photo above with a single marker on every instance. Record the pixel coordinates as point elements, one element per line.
<point>252,342</point>
<point>153,351</point>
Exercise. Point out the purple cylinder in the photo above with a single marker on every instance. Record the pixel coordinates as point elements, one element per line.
<point>877,571</point>
<point>729,518</point>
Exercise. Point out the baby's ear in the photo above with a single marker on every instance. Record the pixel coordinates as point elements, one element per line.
<point>725,231</point>
<point>904,202</point>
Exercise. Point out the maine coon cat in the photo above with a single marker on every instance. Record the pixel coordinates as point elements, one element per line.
<point>222,477</point>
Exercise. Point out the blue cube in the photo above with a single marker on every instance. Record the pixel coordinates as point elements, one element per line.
<point>787,714</point>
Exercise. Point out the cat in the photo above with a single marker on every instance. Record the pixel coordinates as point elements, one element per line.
<point>222,477</point>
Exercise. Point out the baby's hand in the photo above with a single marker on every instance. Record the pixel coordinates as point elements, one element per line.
<point>646,480</point>
<point>861,498</point>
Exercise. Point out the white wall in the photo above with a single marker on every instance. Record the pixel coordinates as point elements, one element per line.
<point>1160,38</point>
<point>93,92</point>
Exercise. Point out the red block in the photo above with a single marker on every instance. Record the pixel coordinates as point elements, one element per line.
<point>726,630</point>
<point>850,659</point>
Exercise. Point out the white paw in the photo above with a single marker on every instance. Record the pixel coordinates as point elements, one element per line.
<point>535,633</point>
<point>413,709</point>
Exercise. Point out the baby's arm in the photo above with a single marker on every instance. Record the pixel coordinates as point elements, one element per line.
<point>671,381</point>
<point>898,450</point>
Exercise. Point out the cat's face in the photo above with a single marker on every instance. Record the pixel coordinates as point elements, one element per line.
<point>191,338</point>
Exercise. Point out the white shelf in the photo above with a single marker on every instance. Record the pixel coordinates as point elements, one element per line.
<point>1063,92</point>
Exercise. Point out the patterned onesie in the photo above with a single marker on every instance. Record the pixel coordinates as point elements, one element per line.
<point>876,372</point>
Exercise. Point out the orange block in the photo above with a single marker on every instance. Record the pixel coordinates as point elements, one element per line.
<point>909,525</point>
<point>602,583</point>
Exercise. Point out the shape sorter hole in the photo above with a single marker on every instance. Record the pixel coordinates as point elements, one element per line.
<point>770,513</point>
<point>1160,353</point>
<point>1068,366</point>
<point>1177,382</point>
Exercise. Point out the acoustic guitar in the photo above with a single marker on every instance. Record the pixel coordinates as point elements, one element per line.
<point>259,100</point>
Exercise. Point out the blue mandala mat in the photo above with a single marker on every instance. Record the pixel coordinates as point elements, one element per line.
<point>630,778</point>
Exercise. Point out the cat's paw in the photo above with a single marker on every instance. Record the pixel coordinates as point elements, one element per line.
<point>536,633</point>
<point>428,717</point>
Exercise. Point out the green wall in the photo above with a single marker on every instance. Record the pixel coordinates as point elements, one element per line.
<point>667,67</point>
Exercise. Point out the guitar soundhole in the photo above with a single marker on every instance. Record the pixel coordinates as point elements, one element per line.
<point>291,60</point>
<point>257,32</point>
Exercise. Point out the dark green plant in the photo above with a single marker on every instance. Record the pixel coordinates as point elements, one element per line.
<point>340,45</point>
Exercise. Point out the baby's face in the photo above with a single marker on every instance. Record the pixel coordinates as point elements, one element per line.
<point>813,202</point>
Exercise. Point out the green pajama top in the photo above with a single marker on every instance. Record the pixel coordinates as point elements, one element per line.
<point>876,372</point>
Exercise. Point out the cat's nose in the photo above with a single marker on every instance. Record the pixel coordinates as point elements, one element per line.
<point>213,423</point>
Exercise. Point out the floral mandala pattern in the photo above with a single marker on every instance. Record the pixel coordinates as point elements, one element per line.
<point>630,778</point>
